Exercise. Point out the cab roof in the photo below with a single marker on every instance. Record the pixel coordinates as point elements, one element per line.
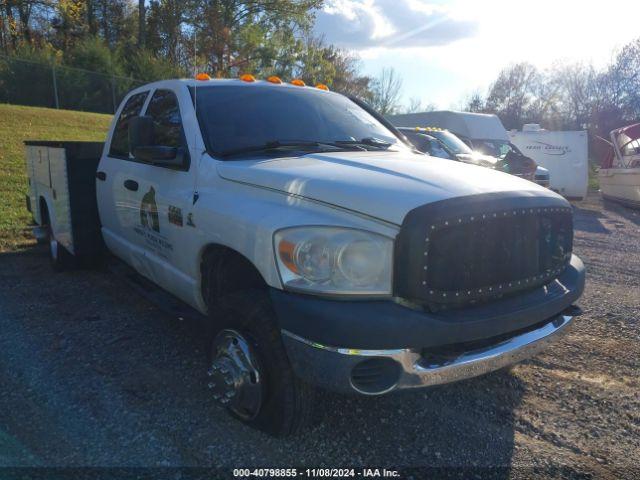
<point>214,82</point>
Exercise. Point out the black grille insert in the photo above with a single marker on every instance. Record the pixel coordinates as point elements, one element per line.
<point>473,249</point>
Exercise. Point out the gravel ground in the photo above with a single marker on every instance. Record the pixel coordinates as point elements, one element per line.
<point>91,375</point>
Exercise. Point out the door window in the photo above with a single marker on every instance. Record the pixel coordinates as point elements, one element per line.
<point>120,139</point>
<point>164,110</point>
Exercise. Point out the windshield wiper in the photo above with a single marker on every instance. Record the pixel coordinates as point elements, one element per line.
<point>374,142</point>
<point>282,145</point>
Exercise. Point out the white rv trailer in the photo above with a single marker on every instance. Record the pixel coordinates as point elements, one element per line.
<point>564,154</point>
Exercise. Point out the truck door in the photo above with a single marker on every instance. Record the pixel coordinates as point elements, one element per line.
<point>116,204</point>
<point>163,198</point>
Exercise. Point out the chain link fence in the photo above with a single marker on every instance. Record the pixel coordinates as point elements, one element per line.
<point>24,82</point>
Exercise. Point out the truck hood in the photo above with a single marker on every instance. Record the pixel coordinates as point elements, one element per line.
<point>384,185</point>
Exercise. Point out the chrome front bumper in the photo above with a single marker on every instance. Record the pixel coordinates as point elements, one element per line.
<point>333,368</point>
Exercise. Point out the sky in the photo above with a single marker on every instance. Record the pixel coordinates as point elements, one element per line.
<point>446,50</point>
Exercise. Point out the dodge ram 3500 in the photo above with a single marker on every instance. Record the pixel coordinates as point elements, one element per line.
<point>322,249</point>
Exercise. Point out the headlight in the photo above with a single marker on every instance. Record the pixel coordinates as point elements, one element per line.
<point>332,260</point>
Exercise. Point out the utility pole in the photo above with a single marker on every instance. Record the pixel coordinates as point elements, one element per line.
<point>55,85</point>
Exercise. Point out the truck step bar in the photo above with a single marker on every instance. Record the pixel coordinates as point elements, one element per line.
<point>162,299</point>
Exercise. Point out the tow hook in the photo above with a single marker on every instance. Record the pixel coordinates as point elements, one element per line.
<point>234,376</point>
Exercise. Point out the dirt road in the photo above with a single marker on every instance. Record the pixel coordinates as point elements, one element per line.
<point>91,375</point>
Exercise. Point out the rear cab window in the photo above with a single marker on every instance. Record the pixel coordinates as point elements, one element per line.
<point>119,147</point>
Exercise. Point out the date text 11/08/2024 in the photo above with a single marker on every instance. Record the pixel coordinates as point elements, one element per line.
<point>316,472</point>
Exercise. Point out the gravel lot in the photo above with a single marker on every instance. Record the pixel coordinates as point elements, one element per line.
<point>91,375</point>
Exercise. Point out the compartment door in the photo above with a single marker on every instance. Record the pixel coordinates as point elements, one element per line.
<point>61,215</point>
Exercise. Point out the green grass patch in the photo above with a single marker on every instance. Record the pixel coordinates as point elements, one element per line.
<point>17,124</point>
<point>594,183</point>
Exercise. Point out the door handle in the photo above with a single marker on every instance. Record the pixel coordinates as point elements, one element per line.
<point>131,185</point>
<point>101,176</point>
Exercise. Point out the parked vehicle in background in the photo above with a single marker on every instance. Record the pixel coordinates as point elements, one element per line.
<point>483,133</point>
<point>439,142</point>
<point>619,174</point>
<point>318,248</point>
<point>564,154</point>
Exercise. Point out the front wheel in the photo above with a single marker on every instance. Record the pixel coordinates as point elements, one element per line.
<point>249,371</point>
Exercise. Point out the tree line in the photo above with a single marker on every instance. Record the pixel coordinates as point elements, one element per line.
<point>158,39</point>
<point>567,96</point>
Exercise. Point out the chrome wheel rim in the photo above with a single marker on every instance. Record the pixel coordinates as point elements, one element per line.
<point>234,375</point>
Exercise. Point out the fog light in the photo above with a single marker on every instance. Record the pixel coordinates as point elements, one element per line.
<point>375,375</point>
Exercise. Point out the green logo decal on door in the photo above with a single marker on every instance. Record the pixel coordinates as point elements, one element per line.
<point>149,211</point>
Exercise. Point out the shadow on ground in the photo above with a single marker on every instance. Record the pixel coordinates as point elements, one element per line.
<point>93,375</point>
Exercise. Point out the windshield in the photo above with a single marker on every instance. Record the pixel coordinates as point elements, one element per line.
<point>238,118</point>
<point>452,142</point>
<point>495,148</point>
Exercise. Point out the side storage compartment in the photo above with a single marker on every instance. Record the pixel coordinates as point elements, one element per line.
<point>64,175</point>
<point>37,163</point>
<point>82,160</point>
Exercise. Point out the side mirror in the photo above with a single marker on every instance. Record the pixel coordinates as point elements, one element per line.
<point>142,145</point>
<point>160,155</point>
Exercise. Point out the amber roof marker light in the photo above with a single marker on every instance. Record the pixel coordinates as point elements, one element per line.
<point>322,86</point>
<point>203,76</point>
<point>298,83</point>
<point>247,77</point>
<point>274,79</point>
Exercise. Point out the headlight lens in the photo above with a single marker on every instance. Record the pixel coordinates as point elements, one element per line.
<point>332,260</point>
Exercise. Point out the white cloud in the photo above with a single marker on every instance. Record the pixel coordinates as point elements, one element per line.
<point>445,49</point>
<point>360,24</point>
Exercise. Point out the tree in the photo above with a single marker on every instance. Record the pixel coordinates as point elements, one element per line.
<point>234,35</point>
<point>141,23</point>
<point>346,74</point>
<point>513,94</point>
<point>16,19</point>
<point>386,90</point>
<point>575,93</point>
<point>166,22</point>
<point>71,23</point>
<point>152,39</point>
<point>415,105</point>
<point>474,102</point>
<point>623,78</point>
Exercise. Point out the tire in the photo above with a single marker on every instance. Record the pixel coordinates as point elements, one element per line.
<point>287,402</point>
<point>59,257</point>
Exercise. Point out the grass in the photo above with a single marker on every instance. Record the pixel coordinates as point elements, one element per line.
<point>17,124</point>
<point>594,184</point>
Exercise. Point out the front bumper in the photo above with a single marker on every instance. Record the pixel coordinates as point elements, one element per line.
<point>374,372</point>
<point>329,341</point>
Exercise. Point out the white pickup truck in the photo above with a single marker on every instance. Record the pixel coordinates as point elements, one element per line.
<point>322,250</point>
